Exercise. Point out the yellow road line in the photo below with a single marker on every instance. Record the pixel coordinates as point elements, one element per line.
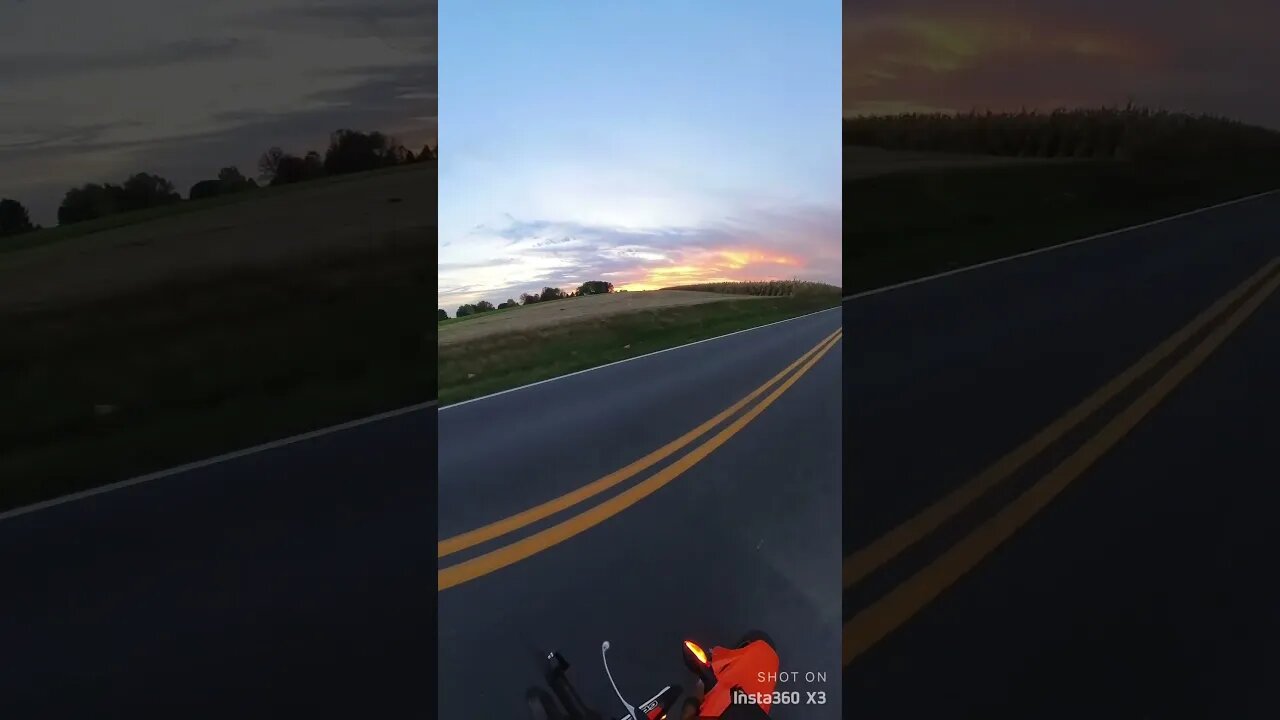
<point>551,507</point>
<point>893,609</point>
<point>866,560</point>
<point>522,549</point>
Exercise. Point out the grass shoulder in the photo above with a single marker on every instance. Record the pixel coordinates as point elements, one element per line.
<point>909,224</point>
<point>518,357</point>
<point>96,392</point>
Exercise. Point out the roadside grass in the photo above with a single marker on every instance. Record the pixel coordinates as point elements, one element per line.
<point>99,392</point>
<point>182,207</point>
<point>911,224</point>
<point>1133,165</point>
<point>504,361</point>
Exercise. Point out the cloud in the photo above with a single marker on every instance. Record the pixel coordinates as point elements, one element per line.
<point>935,54</point>
<point>183,90</point>
<point>757,245</point>
<point>413,13</point>
<point>49,65</point>
<point>455,266</point>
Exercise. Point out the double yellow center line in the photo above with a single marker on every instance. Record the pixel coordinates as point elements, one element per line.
<point>519,550</point>
<point>899,605</point>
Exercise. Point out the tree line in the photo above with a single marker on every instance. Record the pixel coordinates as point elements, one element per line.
<point>1130,133</point>
<point>591,287</point>
<point>349,151</point>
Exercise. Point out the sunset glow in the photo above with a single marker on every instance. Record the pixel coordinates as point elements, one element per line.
<point>584,155</point>
<point>722,265</point>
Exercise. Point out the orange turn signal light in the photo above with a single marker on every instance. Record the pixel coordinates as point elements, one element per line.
<point>697,651</point>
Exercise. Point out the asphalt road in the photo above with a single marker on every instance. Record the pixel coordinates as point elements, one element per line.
<point>747,538</point>
<point>1145,589</point>
<point>288,583</point>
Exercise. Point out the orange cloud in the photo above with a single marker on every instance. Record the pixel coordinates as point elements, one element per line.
<point>737,259</point>
<point>719,265</point>
<point>946,43</point>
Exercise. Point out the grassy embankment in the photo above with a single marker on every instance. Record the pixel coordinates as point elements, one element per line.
<point>102,389</point>
<point>1125,167</point>
<point>517,357</point>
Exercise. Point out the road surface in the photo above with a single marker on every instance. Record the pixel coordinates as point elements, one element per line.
<point>289,583</point>
<point>1120,568</point>
<point>746,538</point>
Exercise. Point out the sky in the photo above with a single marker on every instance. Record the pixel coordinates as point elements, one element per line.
<point>94,91</point>
<point>647,144</point>
<point>955,55</point>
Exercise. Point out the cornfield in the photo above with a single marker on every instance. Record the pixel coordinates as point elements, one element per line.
<point>770,288</point>
<point>1130,133</point>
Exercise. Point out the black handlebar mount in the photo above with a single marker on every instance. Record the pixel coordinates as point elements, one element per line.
<point>564,702</point>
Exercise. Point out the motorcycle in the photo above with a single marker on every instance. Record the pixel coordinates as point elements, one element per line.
<point>731,683</point>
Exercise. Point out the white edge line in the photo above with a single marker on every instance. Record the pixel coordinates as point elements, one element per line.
<point>627,360</point>
<point>215,460</point>
<point>1059,246</point>
<point>331,429</point>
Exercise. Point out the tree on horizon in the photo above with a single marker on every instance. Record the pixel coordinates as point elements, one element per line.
<point>351,152</point>
<point>92,200</point>
<point>14,218</point>
<point>269,163</point>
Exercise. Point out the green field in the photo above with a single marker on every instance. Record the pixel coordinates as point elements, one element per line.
<point>190,364</point>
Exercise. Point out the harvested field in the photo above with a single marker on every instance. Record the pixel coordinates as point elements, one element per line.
<point>555,312</point>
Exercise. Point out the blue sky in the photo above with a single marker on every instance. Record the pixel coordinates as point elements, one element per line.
<point>647,144</point>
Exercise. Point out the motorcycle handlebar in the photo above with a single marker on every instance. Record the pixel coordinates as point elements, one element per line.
<point>659,706</point>
<point>565,692</point>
